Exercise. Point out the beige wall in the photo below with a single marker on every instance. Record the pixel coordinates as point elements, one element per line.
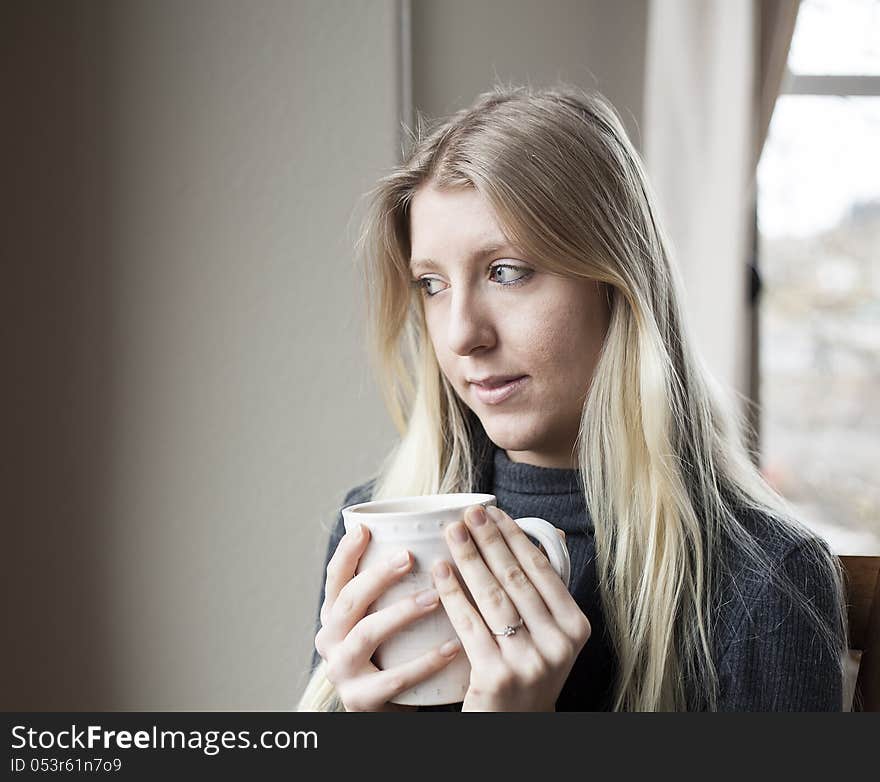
<point>189,401</point>
<point>189,398</point>
<point>460,46</point>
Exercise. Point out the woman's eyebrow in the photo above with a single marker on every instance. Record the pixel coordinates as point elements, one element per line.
<point>482,252</point>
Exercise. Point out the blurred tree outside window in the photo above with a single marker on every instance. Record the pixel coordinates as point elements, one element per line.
<point>819,257</point>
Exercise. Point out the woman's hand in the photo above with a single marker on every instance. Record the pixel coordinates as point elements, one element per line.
<point>348,639</point>
<point>509,578</point>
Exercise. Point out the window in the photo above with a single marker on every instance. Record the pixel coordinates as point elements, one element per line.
<point>819,250</point>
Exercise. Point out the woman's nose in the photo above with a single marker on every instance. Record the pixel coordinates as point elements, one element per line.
<point>470,325</point>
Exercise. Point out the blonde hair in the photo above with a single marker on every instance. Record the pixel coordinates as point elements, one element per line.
<point>669,478</point>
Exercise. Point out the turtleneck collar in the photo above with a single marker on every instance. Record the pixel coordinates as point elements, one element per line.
<point>494,468</point>
<point>528,490</point>
<point>521,478</point>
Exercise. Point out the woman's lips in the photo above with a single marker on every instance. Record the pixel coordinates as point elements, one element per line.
<point>494,396</point>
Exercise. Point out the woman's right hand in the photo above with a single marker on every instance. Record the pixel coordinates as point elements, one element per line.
<point>348,639</point>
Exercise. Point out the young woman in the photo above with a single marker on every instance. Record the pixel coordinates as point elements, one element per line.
<point>526,317</point>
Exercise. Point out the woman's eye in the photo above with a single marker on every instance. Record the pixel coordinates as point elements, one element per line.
<point>502,273</point>
<point>425,284</point>
<point>509,273</point>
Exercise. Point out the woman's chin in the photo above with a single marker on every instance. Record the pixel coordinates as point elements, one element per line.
<point>509,438</point>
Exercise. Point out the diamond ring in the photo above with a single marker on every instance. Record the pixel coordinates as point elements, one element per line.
<point>510,629</point>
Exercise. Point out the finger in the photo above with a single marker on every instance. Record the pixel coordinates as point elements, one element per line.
<point>372,691</point>
<point>478,643</point>
<point>540,572</point>
<point>492,601</point>
<point>356,596</point>
<point>508,575</point>
<point>363,640</point>
<point>342,566</point>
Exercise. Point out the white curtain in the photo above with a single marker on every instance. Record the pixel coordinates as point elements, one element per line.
<point>777,20</point>
<point>699,140</point>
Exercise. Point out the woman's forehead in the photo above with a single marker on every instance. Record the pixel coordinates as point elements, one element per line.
<point>457,222</point>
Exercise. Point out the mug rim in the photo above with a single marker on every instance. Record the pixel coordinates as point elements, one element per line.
<point>467,499</point>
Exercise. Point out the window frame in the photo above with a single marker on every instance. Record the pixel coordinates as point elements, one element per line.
<point>839,85</point>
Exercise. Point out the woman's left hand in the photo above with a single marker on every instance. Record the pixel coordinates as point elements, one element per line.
<point>509,578</point>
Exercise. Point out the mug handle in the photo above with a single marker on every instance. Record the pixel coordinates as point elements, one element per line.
<point>546,534</point>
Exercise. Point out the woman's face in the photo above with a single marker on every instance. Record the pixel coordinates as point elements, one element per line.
<point>493,313</point>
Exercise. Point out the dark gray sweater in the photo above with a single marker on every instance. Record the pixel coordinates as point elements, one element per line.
<point>766,653</point>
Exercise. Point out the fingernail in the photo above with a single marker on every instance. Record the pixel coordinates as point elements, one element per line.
<point>478,516</point>
<point>442,570</point>
<point>400,560</point>
<point>427,598</point>
<point>459,533</point>
<point>358,532</point>
<point>450,648</point>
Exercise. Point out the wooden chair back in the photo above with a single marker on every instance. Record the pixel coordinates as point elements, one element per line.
<point>863,607</point>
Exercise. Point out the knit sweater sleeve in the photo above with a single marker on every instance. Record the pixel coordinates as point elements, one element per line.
<point>776,660</point>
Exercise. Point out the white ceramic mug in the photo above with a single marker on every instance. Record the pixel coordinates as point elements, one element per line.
<point>417,524</point>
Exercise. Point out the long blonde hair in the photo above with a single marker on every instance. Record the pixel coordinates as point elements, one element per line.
<point>669,479</point>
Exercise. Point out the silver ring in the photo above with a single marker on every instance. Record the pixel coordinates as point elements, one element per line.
<point>510,629</point>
